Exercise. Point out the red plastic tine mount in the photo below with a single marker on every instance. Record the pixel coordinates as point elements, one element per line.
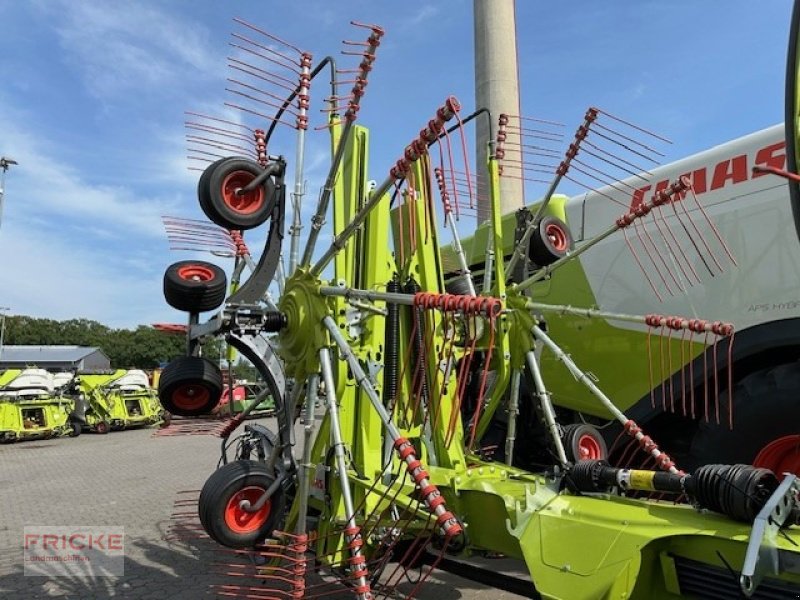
<point>695,325</point>
<point>360,82</point>
<point>611,157</point>
<point>646,444</point>
<point>238,241</point>
<point>467,305</point>
<point>646,241</point>
<point>661,198</point>
<point>440,182</point>
<point>267,64</point>
<point>676,198</point>
<point>500,142</point>
<point>427,136</point>
<point>303,98</point>
<point>580,135</point>
<point>446,521</point>
<point>721,331</point>
<point>261,146</point>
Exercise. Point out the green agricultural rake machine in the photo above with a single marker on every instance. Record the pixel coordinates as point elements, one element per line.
<point>415,400</point>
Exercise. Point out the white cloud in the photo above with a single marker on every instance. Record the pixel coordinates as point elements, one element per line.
<point>51,277</point>
<point>130,46</point>
<point>423,13</point>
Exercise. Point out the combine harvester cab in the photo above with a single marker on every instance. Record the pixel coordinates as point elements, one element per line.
<point>133,402</point>
<point>30,408</point>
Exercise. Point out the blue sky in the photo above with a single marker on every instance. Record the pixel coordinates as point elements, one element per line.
<point>93,94</point>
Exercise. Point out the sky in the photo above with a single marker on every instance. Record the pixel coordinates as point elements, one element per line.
<point>93,97</point>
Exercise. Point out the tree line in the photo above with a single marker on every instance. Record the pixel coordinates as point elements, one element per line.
<point>140,348</point>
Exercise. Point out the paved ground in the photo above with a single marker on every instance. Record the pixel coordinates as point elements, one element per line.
<point>128,479</point>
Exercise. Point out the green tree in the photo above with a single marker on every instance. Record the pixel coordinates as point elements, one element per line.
<point>141,348</point>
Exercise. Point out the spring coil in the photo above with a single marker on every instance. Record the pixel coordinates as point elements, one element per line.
<point>417,351</point>
<point>390,350</point>
<point>274,321</point>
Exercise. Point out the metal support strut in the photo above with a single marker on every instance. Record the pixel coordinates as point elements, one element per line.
<point>357,560</point>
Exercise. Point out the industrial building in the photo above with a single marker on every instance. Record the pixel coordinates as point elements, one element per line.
<point>54,358</point>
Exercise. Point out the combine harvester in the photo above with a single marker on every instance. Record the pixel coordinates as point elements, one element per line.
<point>399,477</point>
<point>32,408</point>
<point>115,400</point>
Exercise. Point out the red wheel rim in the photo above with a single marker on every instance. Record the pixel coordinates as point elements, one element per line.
<point>780,456</point>
<point>557,237</point>
<point>195,273</point>
<point>247,203</point>
<point>240,521</point>
<point>589,448</point>
<point>190,397</point>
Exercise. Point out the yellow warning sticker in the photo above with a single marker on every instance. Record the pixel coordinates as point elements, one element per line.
<point>642,480</point>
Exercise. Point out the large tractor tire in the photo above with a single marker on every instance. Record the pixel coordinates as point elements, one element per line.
<point>195,286</point>
<point>190,386</point>
<point>766,407</point>
<point>217,192</point>
<point>220,505</point>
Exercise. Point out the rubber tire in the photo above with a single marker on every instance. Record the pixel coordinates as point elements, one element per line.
<point>221,487</point>
<point>192,295</point>
<point>210,194</point>
<point>544,251</point>
<point>76,427</point>
<point>102,428</point>
<point>203,182</point>
<point>192,371</point>
<point>766,406</point>
<point>457,286</point>
<point>571,437</point>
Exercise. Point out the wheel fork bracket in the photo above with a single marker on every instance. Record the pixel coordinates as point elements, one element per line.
<point>763,556</point>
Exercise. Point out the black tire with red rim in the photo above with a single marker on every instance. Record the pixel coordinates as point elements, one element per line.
<point>102,428</point>
<point>583,442</point>
<point>190,386</point>
<point>550,241</point>
<point>220,508</point>
<point>218,194</point>
<point>766,409</point>
<point>195,286</point>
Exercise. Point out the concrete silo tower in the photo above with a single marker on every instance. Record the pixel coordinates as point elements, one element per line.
<point>497,88</point>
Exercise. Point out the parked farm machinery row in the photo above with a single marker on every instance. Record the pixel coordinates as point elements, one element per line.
<point>37,404</point>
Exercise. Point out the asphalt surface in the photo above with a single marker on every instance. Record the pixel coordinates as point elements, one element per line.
<point>132,479</point>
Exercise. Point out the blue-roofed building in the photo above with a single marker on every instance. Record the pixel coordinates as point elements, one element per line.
<point>54,358</point>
